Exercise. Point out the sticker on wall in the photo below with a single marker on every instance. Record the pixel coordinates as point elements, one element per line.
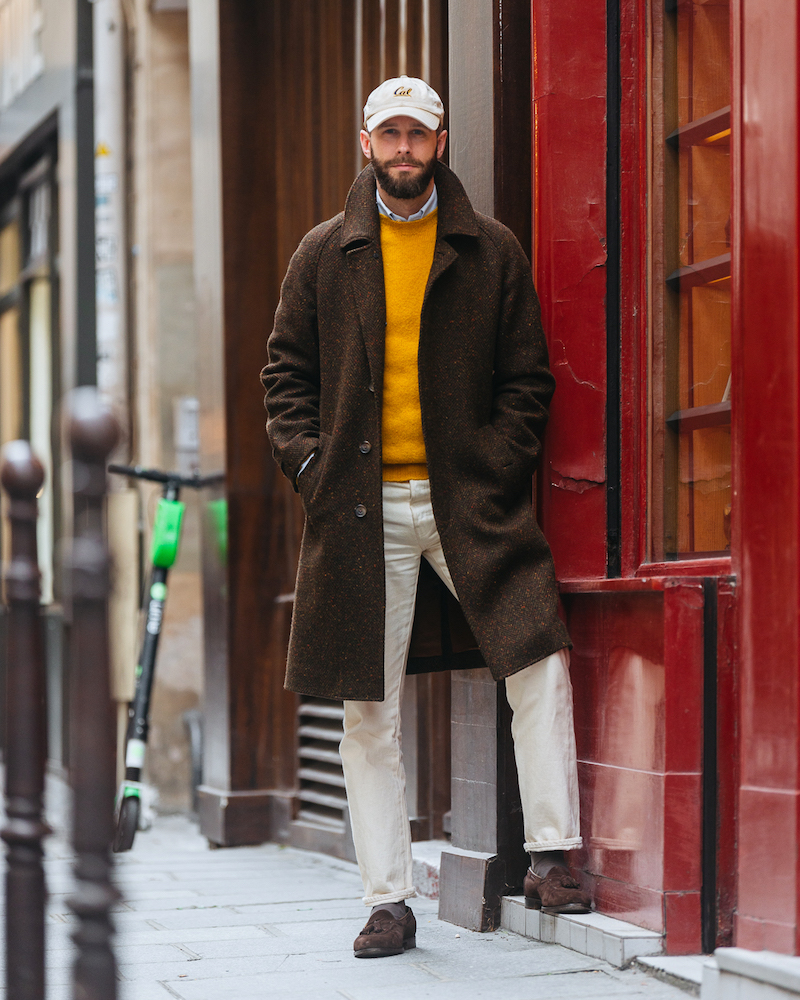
<point>107,290</point>
<point>105,183</point>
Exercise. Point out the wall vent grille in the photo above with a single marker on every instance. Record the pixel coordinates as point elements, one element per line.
<point>322,796</point>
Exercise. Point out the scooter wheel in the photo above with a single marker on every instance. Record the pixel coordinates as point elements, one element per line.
<point>127,824</point>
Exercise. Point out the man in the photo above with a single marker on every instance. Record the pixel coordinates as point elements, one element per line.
<point>407,391</point>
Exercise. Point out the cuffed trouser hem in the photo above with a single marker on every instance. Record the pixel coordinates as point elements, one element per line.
<point>389,897</point>
<point>554,845</point>
<point>540,696</point>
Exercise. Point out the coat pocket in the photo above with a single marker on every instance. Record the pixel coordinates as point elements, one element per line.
<point>507,464</point>
<point>310,479</point>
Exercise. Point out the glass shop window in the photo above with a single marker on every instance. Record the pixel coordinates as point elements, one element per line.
<point>690,302</point>
<point>27,348</point>
<point>12,402</point>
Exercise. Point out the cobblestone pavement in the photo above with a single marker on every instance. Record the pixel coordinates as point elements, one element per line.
<point>263,922</point>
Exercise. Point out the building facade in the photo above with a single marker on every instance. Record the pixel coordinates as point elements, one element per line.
<point>39,137</point>
<point>634,148</point>
<point>646,156</point>
<point>96,253</point>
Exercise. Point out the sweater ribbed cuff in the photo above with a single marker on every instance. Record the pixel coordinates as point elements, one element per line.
<point>402,473</point>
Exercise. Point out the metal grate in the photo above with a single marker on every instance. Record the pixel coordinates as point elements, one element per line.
<point>323,801</point>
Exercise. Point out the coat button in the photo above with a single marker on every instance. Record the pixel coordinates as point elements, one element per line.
<point>371,387</point>
<point>365,447</point>
<point>361,510</point>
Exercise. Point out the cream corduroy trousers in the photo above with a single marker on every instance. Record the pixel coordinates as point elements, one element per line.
<point>540,697</point>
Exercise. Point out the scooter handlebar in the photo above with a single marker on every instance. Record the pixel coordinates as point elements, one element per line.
<point>157,476</point>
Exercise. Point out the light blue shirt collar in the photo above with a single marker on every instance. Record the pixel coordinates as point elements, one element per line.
<point>427,208</point>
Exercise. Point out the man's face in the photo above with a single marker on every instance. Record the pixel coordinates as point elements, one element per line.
<point>404,154</point>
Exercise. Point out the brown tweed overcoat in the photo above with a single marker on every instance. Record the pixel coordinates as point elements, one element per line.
<point>484,388</point>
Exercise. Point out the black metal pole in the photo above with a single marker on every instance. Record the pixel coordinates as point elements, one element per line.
<point>84,183</point>
<point>93,433</point>
<point>22,476</point>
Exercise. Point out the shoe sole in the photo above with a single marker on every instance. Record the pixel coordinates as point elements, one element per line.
<point>536,904</point>
<point>385,952</point>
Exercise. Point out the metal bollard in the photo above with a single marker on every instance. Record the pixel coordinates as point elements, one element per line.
<point>93,432</point>
<point>22,476</point>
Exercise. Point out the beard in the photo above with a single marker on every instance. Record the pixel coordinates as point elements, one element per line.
<point>404,187</point>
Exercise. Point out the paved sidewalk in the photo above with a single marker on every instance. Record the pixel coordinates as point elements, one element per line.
<point>259,922</point>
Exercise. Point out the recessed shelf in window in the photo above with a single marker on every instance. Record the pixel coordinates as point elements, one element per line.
<point>705,131</point>
<point>697,418</point>
<point>703,272</point>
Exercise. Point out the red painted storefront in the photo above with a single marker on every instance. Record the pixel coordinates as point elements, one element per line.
<point>686,657</point>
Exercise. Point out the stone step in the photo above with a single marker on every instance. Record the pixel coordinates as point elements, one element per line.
<point>738,974</point>
<point>427,857</point>
<point>683,971</point>
<point>593,934</point>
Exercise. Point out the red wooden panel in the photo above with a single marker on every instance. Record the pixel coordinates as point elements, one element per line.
<point>633,903</point>
<point>767,451</point>
<point>767,836</point>
<point>637,673</point>
<point>634,45</point>
<point>569,269</point>
<point>683,810</point>
<point>682,917</point>
<point>683,662</point>
<point>578,552</point>
<point>622,819</point>
<point>760,935</point>
<point>767,414</point>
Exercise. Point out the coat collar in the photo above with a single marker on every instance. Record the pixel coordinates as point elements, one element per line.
<point>361,223</point>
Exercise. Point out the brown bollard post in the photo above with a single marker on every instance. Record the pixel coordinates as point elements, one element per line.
<point>92,432</point>
<point>22,476</point>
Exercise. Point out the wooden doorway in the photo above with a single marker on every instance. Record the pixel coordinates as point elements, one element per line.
<point>293,80</point>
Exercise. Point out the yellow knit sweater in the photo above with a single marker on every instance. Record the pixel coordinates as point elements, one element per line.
<point>407,249</point>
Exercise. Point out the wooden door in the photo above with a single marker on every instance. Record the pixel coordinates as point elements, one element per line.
<point>294,77</point>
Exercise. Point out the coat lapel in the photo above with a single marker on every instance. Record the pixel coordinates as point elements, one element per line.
<point>361,244</point>
<point>366,274</point>
<point>456,219</point>
<point>443,256</point>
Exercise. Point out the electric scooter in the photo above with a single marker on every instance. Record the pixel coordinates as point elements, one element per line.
<point>166,539</point>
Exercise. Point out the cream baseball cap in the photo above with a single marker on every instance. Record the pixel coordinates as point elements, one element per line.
<point>403,95</point>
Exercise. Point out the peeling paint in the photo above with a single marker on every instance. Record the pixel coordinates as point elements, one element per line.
<point>600,262</point>
<point>574,485</point>
<point>562,362</point>
<point>597,220</point>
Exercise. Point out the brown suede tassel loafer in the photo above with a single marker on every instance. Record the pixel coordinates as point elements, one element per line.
<point>386,935</point>
<point>556,892</point>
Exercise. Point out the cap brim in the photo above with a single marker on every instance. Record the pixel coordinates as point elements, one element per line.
<point>427,119</point>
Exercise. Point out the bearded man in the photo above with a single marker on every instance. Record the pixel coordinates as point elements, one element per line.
<point>407,390</point>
